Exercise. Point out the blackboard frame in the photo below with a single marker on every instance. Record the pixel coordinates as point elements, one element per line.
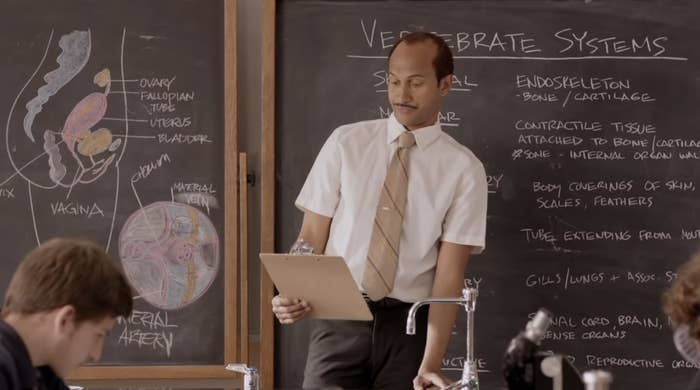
<point>232,317</point>
<point>269,176</point>
<point>267,191</point>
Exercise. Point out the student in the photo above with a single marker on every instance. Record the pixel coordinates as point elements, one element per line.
<point>682,299</point>
<point>681,302</point>
<point>62,301</point>
<point>405,205</point>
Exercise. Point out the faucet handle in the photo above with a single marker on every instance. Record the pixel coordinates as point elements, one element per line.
<point>251,378</point>
<point>238,367</point>
<point>470,293</point>
<point>469,296</point>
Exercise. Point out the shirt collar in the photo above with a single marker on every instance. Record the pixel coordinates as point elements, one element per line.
<point>424,136</point>
<point>13,342</point>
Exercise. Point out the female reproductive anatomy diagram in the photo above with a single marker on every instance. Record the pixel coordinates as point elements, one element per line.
<point>60,156</point>
<point>170,251</point>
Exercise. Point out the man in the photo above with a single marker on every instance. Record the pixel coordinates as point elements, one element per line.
<point>437,199</point>
<point>60,305</point>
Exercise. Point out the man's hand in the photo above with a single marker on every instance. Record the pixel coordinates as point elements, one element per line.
<point>289,310</point>
<point>429,381</point>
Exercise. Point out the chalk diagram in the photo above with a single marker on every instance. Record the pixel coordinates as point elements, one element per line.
<point>71,153</point>
<point>170,251</point>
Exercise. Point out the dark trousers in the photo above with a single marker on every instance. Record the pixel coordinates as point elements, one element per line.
<point>367,355</point>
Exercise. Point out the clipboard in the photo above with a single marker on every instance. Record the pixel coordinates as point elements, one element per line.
<point>323,281</point>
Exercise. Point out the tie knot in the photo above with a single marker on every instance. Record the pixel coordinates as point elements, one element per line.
<point>406,139</point>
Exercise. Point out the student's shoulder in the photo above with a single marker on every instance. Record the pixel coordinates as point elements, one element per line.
<point>6,381</point>
<point>6,357</point>
<point>8,372</point>
<point>14,366</point>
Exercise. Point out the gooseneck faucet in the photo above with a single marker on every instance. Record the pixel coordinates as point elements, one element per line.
<point>470,378</point>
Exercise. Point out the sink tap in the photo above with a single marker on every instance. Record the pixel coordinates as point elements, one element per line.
<point>251,378</point>
<point>470,379</point>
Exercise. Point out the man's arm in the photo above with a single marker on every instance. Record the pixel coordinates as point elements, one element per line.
<point>314,230</point>
<point>449,282</point>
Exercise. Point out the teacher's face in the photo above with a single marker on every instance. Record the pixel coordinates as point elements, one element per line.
<point>414,92</point>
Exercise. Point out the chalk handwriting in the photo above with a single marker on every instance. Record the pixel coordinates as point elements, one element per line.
<point>145,170</point>
<point>75,208</point>
<point>7,193</point>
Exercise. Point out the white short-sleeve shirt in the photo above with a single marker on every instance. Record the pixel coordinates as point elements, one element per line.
<point>446,199</point>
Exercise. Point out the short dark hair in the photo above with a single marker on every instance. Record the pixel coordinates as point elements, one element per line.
<point>443,63</point>
<point>74,272</point>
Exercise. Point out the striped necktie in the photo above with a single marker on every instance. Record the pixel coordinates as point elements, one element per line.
<point>383,255</point>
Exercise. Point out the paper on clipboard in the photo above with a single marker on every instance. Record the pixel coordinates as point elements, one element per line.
<point>324,281</point>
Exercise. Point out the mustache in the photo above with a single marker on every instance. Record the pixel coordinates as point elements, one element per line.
<point>405,105</point>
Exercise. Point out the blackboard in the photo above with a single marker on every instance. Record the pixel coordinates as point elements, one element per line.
<point>585,116</point>
<point>114,129</point>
